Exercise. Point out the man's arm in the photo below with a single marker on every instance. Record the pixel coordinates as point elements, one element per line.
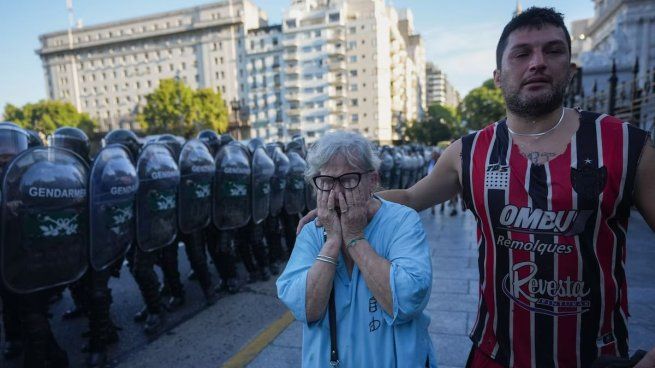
<point>439,186</point>
<point>645,184</point>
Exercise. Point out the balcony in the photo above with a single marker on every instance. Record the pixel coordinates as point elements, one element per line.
<point>337,79</point>
<point>337,65</point>
<point>293,111</point>
<point>292,69</point>
<point>291,56</point>
<point>292,96</point>
<point>336,51</point>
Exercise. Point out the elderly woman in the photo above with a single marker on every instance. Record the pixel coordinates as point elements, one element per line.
<point>360,282</point>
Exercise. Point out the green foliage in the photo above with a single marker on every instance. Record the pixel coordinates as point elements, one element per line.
<point>447,115</point>
<point>210,111</point>
<point>430,132</point>
<point>47,115</point>
<point>483,105</point>
<point>177,109</point>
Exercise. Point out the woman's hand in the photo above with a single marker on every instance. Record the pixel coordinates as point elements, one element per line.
<point>354,216</point>
<point>325,209</point>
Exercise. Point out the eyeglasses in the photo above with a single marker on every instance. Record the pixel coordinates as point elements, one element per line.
<point>348,181</point>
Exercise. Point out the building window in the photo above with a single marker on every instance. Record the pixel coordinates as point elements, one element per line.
<point>354,102</point>
<point>354,118</point>
<point>335,17</point>
<point>353,73</point>
<point>352,30</point>
<point>352,45</point>
<point>353,58</point>
<point>353,87</point>
<point>291,23</point>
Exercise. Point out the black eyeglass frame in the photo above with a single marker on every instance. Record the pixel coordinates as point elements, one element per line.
<point>338,178</point>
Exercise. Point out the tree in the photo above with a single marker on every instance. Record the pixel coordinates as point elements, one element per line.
<point>47,115</point>
<point>447,115</point>
<point>483,105</point>
<point>430,132</point>
<point>168,109</point>
<point>177,109</point>
<point>210,110</point>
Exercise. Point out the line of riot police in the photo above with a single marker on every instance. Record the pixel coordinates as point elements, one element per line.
<point>69,221</point>
<point>402,166</point>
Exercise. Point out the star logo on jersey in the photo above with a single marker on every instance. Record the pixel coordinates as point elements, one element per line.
<point>588,161</point>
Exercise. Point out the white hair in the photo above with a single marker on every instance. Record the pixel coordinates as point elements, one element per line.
<point>353,147</point>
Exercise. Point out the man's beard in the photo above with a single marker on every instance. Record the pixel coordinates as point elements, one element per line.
<point>536,106</point>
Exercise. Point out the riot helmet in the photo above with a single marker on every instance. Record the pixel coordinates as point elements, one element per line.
<point>211,140</point>
<point>13,140</point>
<point>125,137</point>
<point>34,139</point>
<point>72,139</point>
<point>173,143</point>
<point>255,143</point>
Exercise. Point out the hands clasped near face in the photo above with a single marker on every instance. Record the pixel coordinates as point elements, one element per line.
<point>350,204</point>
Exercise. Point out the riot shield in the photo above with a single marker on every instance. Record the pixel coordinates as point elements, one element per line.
<point>279,179</point>
<point>263,169</point>
<point>310,196</point>
<point>386,167</point>
<point>294,194</point>
<point>13,140</point>
<point>397,170</point>
<point>44,241</point>
<point>196,176</point>
<point>156,201</point>
<point>232,187</point>
<point>113,185</point>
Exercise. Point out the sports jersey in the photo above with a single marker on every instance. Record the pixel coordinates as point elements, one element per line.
<point>552,243</point>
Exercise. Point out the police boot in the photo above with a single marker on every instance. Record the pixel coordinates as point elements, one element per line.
<point>141,315</point>
<point>265,274</point>
<point>13,349</point>
<point>210,295</point>
<point>96,359</point>
<point>275,269</point>
<point>230,286</point>
<point>175,302</point>
<point>154,323</point>
<point>73,313</point>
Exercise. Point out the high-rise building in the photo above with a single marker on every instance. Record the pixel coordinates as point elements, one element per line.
<point>107,69</point>
<point>439,89</point>
<point>331,64</point>
<point>264,70</point>
<point>348,67</point>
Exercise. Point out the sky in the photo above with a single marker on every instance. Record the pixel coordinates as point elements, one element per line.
<point>460,36</point>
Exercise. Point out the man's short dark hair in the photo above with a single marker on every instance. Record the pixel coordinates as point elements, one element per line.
<point>532,17</point>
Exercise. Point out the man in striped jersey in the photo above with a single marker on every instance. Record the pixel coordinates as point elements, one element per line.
<point>551,189</point>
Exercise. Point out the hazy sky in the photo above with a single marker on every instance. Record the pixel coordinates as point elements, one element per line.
<point>459,35</point>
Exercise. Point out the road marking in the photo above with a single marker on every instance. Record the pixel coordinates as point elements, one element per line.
<point>254,347</point>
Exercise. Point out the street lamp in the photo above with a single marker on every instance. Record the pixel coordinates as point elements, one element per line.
<point>236,106</point>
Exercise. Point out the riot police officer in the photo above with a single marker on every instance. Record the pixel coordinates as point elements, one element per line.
<point>49,248</point>
<point>272,225</point>
<point>157,227</point>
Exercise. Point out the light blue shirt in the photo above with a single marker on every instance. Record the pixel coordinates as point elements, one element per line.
<point>366,335</point>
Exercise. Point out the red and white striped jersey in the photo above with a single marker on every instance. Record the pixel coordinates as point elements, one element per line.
<point>552,243</point>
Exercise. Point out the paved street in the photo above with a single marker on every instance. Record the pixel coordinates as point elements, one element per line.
<point>210,337</point>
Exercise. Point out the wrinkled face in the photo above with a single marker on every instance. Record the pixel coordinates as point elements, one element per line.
<point>535,70</point>
<point>338,166</point>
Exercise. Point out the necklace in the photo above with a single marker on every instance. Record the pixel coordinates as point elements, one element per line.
<point>541,133</point>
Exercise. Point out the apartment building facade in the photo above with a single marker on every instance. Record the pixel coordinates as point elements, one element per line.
<point>106,70</point>
<point>439,89</point>
<point>339,64</point>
